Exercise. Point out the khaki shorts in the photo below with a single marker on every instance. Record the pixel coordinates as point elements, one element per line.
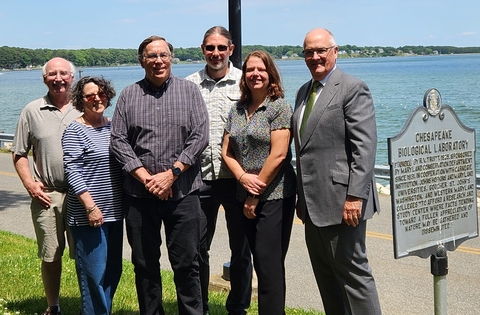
<point>51,227</point>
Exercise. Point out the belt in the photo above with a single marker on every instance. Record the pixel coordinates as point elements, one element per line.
<point>58,189</point>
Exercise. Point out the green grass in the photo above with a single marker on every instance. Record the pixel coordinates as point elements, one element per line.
<point>21,290</point>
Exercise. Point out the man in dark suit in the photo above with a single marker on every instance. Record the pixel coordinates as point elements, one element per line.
<point>335,143</point>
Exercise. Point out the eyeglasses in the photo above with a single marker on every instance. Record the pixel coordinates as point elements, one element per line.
<point>53,74</point>
<point>219,47</point>
<point>90,98</point>
<point>321,52</point>
<point>153,57</point>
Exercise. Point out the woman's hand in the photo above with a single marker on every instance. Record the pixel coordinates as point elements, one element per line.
<point>249,207</point>
<point>252,184</point>
<point>95,217</point>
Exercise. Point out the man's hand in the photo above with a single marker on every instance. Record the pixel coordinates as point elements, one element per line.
<point>35,190</point>
<point>352,210</point>
<point>160,184</point>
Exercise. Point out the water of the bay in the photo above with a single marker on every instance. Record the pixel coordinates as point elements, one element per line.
<point>397,85</point>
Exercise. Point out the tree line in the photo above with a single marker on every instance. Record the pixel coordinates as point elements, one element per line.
<point>21,58</point>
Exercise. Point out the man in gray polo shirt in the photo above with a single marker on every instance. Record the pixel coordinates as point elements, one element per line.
<point>40,129</point>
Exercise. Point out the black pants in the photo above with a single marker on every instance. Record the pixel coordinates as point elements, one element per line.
<point>212,195</point>
<point>269,236</point>
<point>181,219</point>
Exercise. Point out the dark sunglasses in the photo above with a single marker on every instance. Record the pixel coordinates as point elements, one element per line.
<point>90,98</point>
<point>219,47</point>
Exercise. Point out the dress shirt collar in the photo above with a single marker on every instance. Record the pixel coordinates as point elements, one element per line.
<point>152,89</point>
<point>324,81</point>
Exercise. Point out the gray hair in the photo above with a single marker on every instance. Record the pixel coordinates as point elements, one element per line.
<point>44,68</point>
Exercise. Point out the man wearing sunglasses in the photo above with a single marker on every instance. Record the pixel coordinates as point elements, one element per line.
<point>218,82</point>
<point>40,129</point>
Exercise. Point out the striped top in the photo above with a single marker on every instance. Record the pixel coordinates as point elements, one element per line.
<point>89,166</point>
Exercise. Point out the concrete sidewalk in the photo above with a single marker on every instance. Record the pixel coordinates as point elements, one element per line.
<point>405,285</point>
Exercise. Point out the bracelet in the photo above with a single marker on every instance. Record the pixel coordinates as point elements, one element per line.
<point>252,196</point>
<point>241,176</point>
<point>91,209</point>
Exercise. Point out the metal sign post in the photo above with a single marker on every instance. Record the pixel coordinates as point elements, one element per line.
<point>433,182</point>
<point>439,269</point>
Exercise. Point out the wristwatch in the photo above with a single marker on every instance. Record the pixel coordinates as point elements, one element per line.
<point>176,170</point>
<point>252,196</point>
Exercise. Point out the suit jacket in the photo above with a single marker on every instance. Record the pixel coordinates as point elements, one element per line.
<point>336,156</point>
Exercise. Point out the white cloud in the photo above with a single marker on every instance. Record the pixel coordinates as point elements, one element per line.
<point>127,21</point>
<point>468,33</point>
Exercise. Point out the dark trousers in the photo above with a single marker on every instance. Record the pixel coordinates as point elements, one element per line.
<point>181,220</point>
<point>339,260</point>
<point>269,236</point>
<point>212,195</point>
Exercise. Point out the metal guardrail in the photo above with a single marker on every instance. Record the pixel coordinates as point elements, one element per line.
<point>381,171</point>
<point>5,138</point>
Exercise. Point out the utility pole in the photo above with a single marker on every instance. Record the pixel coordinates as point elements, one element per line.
<point>235,28</point>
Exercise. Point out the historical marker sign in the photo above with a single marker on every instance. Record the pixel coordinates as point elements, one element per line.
<point>432,178</point>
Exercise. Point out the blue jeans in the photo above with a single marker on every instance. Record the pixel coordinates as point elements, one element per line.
<point>98,260</point>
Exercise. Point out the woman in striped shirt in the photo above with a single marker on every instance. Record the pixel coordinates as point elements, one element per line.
<point>94,201</point>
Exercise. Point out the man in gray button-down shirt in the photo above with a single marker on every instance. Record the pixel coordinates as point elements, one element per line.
<point>159,130</point>
<point>218,82</point>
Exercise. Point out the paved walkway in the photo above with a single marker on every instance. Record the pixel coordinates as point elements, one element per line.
<point>405,285</point>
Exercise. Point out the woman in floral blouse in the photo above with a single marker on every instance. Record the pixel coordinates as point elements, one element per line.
<point>256,149</point>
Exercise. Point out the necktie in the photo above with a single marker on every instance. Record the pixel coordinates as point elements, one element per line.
<point>309,106</point>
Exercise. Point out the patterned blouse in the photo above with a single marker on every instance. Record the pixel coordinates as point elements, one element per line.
<point>250,141</point>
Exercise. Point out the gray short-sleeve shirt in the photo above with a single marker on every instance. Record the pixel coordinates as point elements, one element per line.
<point>40,129</point>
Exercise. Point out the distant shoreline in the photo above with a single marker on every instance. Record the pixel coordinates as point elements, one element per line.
<point>16,57</point>
<point>203,61</point>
